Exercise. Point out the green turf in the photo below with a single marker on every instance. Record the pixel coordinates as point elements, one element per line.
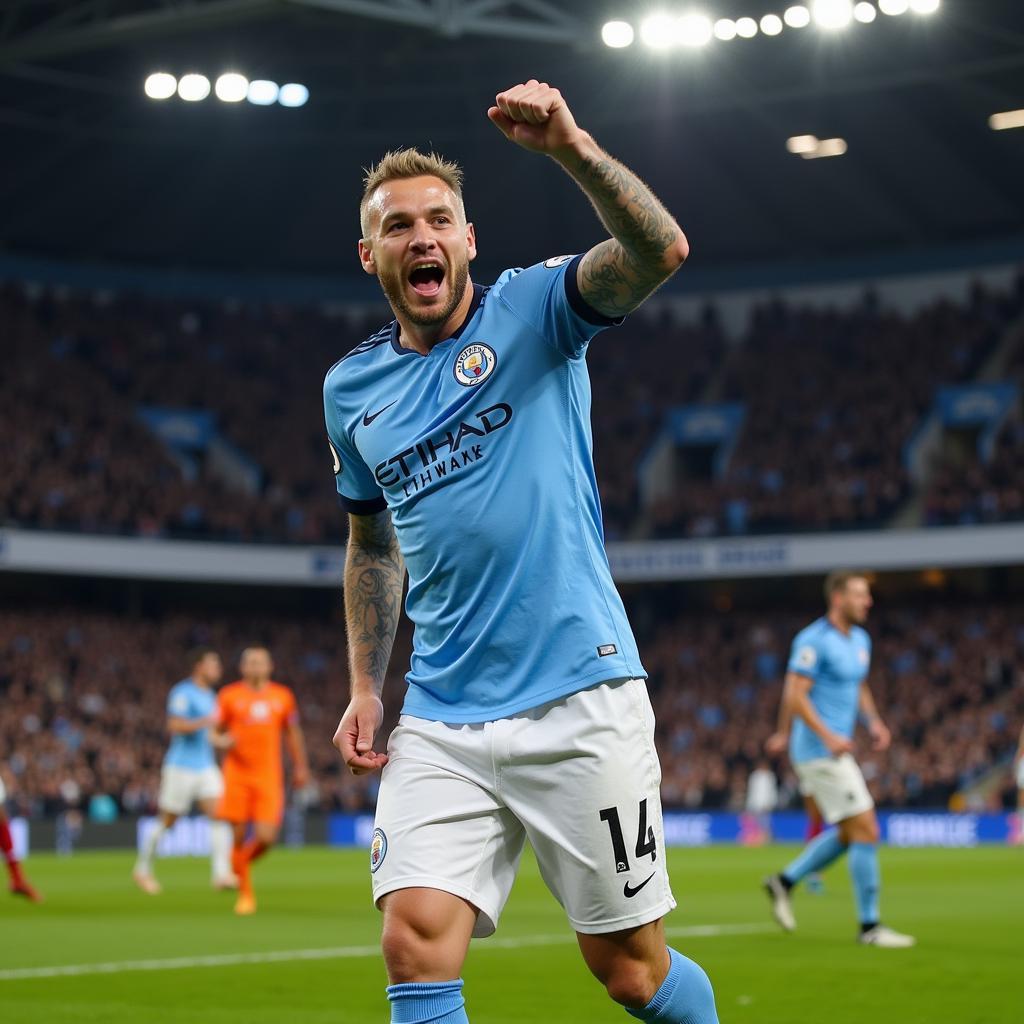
<point>965,907</point>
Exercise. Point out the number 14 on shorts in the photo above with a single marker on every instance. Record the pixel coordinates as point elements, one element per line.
<point>646,844</point>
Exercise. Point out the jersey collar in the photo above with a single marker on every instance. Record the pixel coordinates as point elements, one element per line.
<point>479,291</point>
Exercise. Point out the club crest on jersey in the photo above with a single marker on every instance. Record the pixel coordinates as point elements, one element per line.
<point>259,711</point>
<point>378,849</point>
<point>474,364</point>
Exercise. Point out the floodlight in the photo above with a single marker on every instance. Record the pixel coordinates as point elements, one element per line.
<point>771,24</point>
<point>617,34</point>
<point>194,88</point>
<point>231,87</point>
<point>797,17</point>
<point>1006,119</point>
<point>694,30</point>
<point>894,7</point>
<point>725,29</point>
<point>293,95</point>
<point>832,14</point>
<point>746,28</point>
<point>865,13</point>
<point>262,92</point>
<point>658,31</point>
<point>161,86</point>
<point>924,6</point>
<point>801,144</point>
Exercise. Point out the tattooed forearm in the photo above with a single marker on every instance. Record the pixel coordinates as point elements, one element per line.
<point>647,245</point>
<point>374,575</point>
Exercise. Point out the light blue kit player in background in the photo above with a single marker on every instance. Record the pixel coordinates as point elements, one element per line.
<point>462,452</point>
<point>190,775</point>
<point>825,693</point>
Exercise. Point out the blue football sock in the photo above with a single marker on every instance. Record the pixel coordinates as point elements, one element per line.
<point>436,1002</point>
<point>866,880</point>
<point>815,856</point>
<point>685,996</point>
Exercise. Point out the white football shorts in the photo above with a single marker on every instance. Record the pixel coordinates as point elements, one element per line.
<point>180,788</point>
<point>1020,773</point>
<point>579,777</point>
<point>3,793</point>
<point>837,785</point>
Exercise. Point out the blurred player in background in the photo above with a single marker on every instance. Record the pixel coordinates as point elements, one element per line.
<point>461,437</point>
<point>20,885</point>
<point>827,692</point>
<point>253,715</point>
<point>1018,766</point>
<point>190,774</point>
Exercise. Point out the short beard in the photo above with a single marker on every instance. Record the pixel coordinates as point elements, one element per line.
<point>394,292</point>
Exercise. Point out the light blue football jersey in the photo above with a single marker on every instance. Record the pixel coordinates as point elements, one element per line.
<point>837,663</point>
<point>482,451</point>
<point>193,750</point>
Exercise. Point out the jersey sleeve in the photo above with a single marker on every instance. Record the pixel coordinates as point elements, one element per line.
<point>290,715</point>
<point>804,657</point>
<point>178,704</point>
<point>358,491</point>
<point>548,298</point>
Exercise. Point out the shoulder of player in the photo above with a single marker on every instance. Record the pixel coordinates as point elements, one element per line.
<point>812,634</point>
<point>523,274</point>
<point>336,375</point>
<point>862,634</point>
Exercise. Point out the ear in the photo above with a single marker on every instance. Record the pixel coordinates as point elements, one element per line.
<point>366,258</point>
<point>471,241</point>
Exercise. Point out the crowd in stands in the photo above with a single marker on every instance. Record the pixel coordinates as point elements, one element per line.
<point>831,397</point>
<point>82,699</point>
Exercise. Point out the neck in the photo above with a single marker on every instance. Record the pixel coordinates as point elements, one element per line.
<point>200,682</point>
<point>257,684</point>
<point>423,337</point>
<point>839,621</point>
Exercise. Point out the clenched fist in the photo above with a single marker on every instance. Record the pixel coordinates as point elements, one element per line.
<point>535,117</point>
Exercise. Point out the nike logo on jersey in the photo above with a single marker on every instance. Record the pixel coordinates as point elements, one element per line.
<point>368,419</point>
<point>629,892</point>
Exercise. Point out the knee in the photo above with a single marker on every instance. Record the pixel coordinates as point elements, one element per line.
<point>415,949</point>
<point>860,830</point>
<point>631,982</point>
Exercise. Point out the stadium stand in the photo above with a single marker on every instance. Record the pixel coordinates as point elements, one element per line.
<point>82,713</point>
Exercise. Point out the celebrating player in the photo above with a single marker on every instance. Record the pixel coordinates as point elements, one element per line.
<point>190,774</point>
<point>462,447</point>
<point>20,885</point>
<point>252,715</point>
<point>826,689</point>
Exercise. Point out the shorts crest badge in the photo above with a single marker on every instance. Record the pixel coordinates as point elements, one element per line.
<point>474,364</point>
<point>378,849</point>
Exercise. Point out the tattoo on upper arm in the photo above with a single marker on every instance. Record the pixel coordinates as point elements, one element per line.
<point>374,576</point>
<point>617,275</point>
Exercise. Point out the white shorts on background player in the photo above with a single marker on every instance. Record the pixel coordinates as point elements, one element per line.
<point>579,777</point>
<point>180,788</point>
<point>837,786</point>
<point>3,794</point>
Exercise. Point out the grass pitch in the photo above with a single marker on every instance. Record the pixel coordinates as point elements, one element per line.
<point>136,958</point>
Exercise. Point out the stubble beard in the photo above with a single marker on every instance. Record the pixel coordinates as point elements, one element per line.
<point>393,287</point>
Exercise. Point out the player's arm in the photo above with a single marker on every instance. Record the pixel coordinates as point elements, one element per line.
<point>779,740</point>
<point>374,577</point>
<point>295,741</point>
<point>178,726</point>
<point>799,687</point>
<point>646,247</point>
<point>877,729</point>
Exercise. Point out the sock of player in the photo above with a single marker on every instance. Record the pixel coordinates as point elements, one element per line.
<point>220,849</point>
<point>685,996</point>
<point>254,849</point>
<point>815,856</point>
<point>866,877</point>
<point>145,861</point>
<point>7,848</point>
<point>438,1002</point>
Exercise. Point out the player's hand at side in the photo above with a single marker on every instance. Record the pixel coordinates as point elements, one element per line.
<point>777,743</point>
<point>355,734</point>
<point>838,745</point>
<point>535,116</point>
<point>881,738</point>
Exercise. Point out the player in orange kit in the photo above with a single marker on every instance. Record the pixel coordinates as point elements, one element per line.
<point>255,713</point>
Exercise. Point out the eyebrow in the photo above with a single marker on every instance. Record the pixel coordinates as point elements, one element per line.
<point>432,212</point>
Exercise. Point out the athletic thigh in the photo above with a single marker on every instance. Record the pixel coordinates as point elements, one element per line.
<point>439,822</point>
<point>582,775</point>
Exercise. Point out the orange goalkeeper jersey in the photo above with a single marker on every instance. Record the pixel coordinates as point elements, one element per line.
<point>256,720</point>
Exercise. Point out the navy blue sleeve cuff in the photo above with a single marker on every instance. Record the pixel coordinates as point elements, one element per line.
<point>362,508</point>
<point>583,309</point>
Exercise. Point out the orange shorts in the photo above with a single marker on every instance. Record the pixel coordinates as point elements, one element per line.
<point>251,800</point>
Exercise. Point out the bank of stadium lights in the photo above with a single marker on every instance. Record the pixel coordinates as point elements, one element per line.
<point>665,30</point>
<point>810,147</point>
<point>230,87</point>
<point>1006,119</point>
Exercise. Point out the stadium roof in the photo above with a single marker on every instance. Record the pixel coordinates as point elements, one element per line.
<point>93,170</point>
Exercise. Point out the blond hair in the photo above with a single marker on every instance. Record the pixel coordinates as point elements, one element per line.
<point>409,163</point>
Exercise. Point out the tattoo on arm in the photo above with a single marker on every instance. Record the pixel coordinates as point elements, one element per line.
<point>374,576</point>
<point>618,274</point>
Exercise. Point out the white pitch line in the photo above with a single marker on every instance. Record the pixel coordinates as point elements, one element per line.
<point>334,953</point>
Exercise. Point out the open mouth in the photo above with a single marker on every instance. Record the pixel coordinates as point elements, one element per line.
<point>426,279</point>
